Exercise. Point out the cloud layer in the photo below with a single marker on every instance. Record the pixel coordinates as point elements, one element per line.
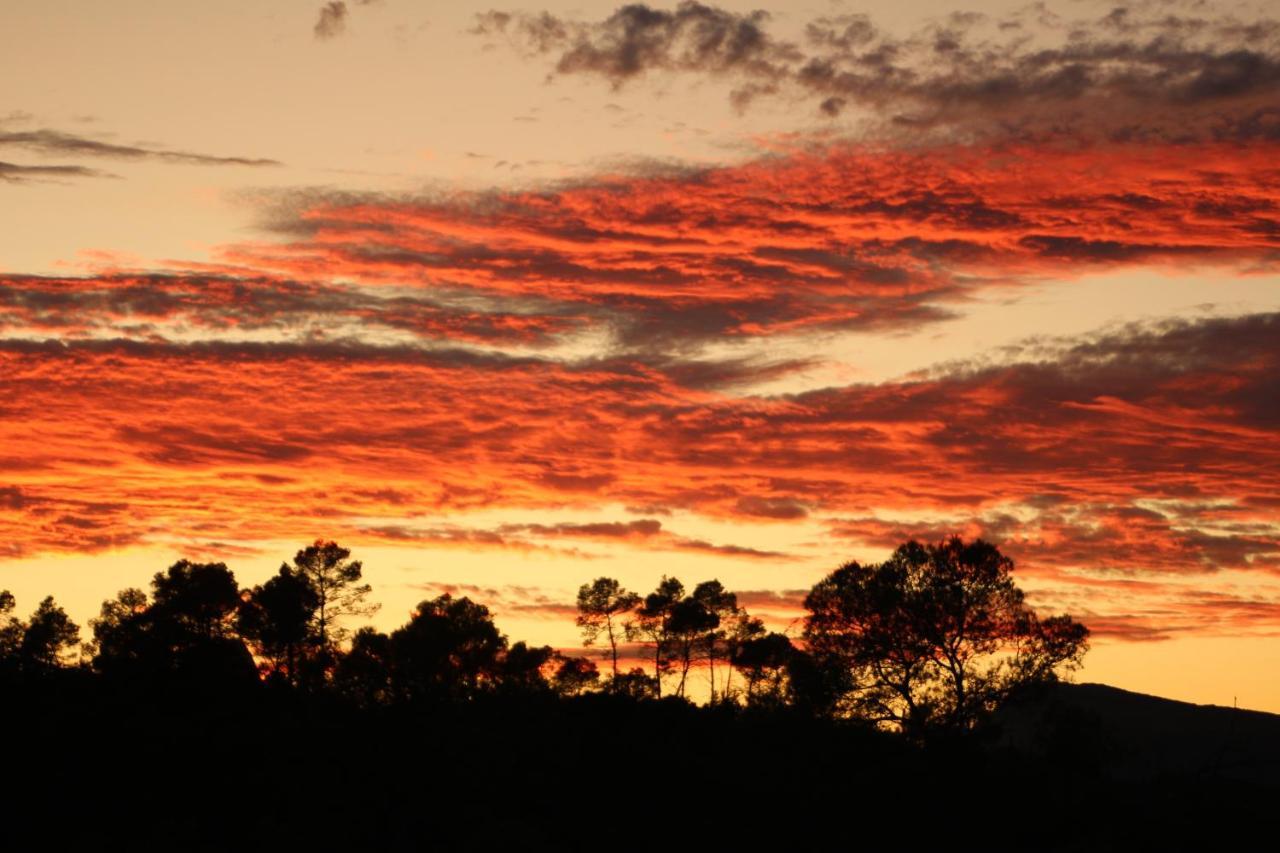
<point>380,368</point>
<point>533,352</point>
<point>1097,445</point>
<point>844,237</point>
<point>1172,70</point>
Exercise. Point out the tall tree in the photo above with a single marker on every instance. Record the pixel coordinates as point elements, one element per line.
<point>335,579</point>
<point>652,625</point>
<point>742,629</point>
<point>601,604</point>
<point>723,606</point>
<point>689,627</point>
<point>937,636</point>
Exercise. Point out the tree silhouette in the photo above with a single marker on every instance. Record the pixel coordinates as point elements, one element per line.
<point>335,579</point>
<point>722,605</point>
<point>364,672</point>
<point>118,643</point>
<point>764,661</point>
<point>276,618</point>
<point>47,637</point>
<point>690,626</point>
<point>201,597</point>
<point>450,649</point>
<point>817,683</point>
<point>652,625</point>
<point>937,636</point>
<point>523,668</point>
<point>187,628</point>
<point>742,629</point>
<point>574,676</point>
<point>600,604</point>
<point>635,684</point>
<point>10,629</point>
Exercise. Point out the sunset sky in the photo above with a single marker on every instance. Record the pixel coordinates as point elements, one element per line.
<point>505,300</point>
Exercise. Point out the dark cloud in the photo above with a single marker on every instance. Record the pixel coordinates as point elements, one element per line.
<point>16,174</point>
<point>57,142</point>
<point>509,600</point>
<point>643,533</point>
<point>646,530</point>
<point>637,38</point>
<point>192,446</point>
<point>783,509</point>
<point>638,529</point>
<point>146,305</point>
<point>732,550</point>
<point>1172,70</point>
<point>333,18</point>
<point>1097,537</point>
<point>778,600</point>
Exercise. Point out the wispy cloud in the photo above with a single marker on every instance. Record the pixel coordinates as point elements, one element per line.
<point>60,143</point>
<point>16,173</point>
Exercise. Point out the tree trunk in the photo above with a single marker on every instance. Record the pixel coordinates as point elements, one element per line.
<point>613,645</point>
<point>657,669</point>
<point>711,663</point>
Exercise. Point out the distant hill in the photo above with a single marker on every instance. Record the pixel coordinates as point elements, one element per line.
<point>1133,735</point>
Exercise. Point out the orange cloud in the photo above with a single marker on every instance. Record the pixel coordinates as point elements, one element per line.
<point>846,237</point>
<point>109,442</point>
<point>409,360</point>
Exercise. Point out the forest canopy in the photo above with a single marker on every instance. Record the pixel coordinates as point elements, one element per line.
<point>935,638</point>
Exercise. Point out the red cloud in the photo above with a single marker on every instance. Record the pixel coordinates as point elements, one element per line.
<point>844,237</point>
<point>242,441</point>
<point>152,413</point>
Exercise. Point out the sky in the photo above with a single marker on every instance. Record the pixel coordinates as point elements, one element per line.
<point>506,299</point>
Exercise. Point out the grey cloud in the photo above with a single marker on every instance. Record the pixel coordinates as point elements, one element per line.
<point>333,18</point>
<point>637,38</point>
<point>783,509</point>
<point>648,530</point>
<point>1028,73</point>
<point>332,21</point>
<point>56,142</point>
<point>15,173</point>
<point>152,303</point>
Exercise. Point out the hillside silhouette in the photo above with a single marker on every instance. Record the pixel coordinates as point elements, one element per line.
<point>924,703</point>
<point>1145,737</point>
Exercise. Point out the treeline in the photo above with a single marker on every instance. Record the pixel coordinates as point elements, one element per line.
<point>201,715</point>
<point>933,639</point>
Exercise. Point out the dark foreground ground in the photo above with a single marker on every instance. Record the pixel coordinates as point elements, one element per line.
<point>1089,768</point>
